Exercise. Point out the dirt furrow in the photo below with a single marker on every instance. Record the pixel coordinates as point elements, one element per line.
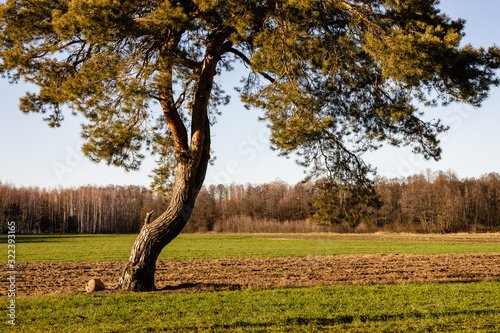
<point>33,279</point>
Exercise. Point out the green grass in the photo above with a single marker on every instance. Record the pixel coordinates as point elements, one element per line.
<point>60,248</point>
<point>459,307</point>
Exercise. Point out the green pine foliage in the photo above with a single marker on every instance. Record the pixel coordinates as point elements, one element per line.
<point>335,78</point>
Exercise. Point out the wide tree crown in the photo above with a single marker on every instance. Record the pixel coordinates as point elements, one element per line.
<point>335,78</point>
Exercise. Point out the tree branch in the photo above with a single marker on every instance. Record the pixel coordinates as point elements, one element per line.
<point>148,217</point>
<point>167,102</point>
<point>342,147</point>
<point>174,122</point>
<point>247,61</point>
<point>203,86</point>
<point>189,63</point>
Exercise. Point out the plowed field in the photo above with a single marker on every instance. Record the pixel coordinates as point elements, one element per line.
<point>35,279</point>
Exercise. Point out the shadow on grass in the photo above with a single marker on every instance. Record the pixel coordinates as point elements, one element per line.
<point>347,319</point>
<point>42,238</point>
<point>52,238</point>
<point>342,320</point>
<point>203,287</point>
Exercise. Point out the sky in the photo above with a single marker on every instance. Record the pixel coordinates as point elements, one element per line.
<point>33,154</point>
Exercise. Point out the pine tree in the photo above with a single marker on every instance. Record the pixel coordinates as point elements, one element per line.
<point>335,78</point>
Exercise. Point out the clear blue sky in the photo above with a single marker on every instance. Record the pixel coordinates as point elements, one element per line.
<point>35,155</point>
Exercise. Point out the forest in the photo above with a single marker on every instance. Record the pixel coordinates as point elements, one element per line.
<point>430,202</point>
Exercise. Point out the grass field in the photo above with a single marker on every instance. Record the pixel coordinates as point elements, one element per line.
<point>456,307</point>
<point>400,308</point>
<point>78,248</point>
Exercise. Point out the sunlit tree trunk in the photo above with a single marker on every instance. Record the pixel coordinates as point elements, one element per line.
<point>192,161</point>
<point>138,273</point>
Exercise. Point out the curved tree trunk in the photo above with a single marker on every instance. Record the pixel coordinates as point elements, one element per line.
<point>138,273</point>
<point>192,162</point>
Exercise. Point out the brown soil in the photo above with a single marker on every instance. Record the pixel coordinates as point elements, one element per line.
<point>34,279</point>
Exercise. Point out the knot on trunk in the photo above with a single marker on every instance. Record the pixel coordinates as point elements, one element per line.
<point>138,277</point>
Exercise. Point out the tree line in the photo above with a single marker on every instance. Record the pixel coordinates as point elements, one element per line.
<point>87,209</point>
<point>430,202</point>
<point>438,202</point>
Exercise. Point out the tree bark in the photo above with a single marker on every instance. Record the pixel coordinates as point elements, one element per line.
<point>192,163</point>
<point>138,273</point>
